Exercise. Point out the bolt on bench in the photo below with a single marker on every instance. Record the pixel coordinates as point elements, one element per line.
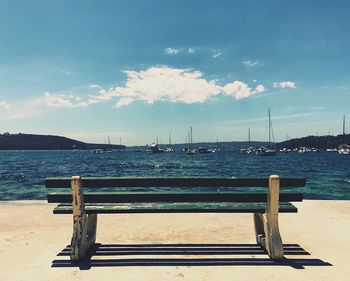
<point>120,197</point>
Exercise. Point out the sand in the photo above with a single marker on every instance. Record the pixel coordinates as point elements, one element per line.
<point>31,238</point>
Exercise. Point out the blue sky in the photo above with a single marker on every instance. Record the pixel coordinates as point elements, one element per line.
<point>142,69</point>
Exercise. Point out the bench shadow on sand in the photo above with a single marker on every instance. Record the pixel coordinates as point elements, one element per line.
<point>119,255</point>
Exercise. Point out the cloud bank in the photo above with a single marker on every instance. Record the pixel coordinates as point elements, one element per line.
<point>157,84</point>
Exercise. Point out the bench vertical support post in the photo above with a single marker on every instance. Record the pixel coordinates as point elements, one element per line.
<point>273,240</point>
<point>84,226</point>
<point>259,228</point>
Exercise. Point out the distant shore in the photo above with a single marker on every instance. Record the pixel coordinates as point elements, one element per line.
<point>51,142</point>
<point>47,142</point>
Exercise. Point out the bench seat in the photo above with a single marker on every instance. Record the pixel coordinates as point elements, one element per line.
<point>169,207</point>
<point>168,196</point>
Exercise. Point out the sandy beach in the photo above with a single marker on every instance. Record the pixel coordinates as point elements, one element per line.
<point>193,246</point>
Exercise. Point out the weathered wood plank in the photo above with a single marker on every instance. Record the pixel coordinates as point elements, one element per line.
<point>123,197</point>
<point>98,182</point>
<point>223,207</point>
<point>84,226</point>
<point>273,240</point>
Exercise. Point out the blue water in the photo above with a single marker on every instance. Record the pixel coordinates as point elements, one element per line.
<point>22,173</point>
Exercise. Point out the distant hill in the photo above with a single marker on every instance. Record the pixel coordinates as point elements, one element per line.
<point>49,142</point>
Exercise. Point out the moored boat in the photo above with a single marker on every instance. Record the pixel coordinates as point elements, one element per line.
<point>265,151</point>
<point>154,148</point>
<point>344,149</point>
<point>249,149</point>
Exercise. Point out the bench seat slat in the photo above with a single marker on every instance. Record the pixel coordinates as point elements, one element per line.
<point>98,182</point>
<point>165,207</point>
<point>123,197</point>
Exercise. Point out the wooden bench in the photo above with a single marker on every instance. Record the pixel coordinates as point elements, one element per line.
<point>188,195</point>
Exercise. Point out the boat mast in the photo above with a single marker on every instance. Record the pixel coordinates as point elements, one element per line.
<point>189,142</point>
<point>344,128</point>
<point>249,137</point>
<point>269,127</point>
<point>191,138</point>
<point>169,138</point>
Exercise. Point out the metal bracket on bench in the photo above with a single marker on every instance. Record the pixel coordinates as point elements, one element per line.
<point>84,225</point>
<point>266,225</point>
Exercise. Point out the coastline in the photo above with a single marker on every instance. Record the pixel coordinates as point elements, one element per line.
<point>31,237</point>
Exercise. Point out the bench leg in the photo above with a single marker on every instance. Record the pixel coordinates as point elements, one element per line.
<point>266,225</point>
<point>268,236</point>
<point>273,241</point>
<point>84,235</point>
<point>259,229</point>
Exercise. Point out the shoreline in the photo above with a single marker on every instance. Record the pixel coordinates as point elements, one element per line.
<point>31,238</point>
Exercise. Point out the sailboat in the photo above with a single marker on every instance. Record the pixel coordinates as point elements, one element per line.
<point>190,150</point>
<point>155,148</point>
<point>344,149</point>
<point>267,151</point>
<point>106,149</point>
<point>209,150</point>
<point>169,148</point>
<point>249,149</point>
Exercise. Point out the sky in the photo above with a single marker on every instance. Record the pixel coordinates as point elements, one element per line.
<point>138,70</point>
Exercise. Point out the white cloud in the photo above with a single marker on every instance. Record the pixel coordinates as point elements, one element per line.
<point>285,84</point>
<point>165,84</point>
<point>155,84</point>
<point>176,85</point>
<point>183,50</point>
<point>249,63</point>
<point>260,88</point>
<point>216,55</point>
<point>4,105</point>
<point>95,86</point>
<point>66,72</point>
<point>241,90</point>
<point>124,101</point>
<point>24,109</point>
<point>59,100</point>
<point>237,89</point>
<point>191,51</point>
<point>171,51</point>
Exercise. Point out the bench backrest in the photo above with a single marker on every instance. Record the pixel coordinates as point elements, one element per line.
<point>121,189</point>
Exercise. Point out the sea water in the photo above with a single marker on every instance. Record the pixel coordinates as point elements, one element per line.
<point>22,173</point>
